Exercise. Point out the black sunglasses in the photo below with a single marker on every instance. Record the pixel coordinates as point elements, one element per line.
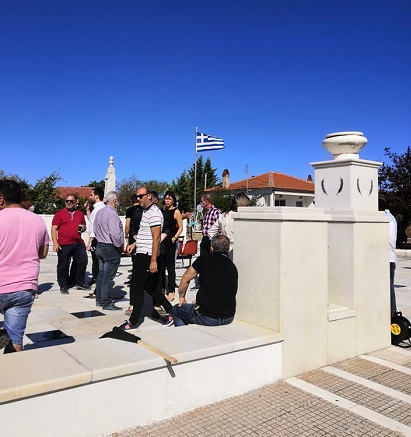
<point>70,201</point>
<point>140,196</point>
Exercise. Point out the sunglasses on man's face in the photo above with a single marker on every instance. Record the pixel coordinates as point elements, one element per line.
<point>140,196</point>
<point>69,201</point>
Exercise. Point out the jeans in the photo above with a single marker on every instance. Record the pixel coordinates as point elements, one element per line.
<point>79,254</point>
<point>187,314</point>
<point>16,308</point>
<point>108,261</point>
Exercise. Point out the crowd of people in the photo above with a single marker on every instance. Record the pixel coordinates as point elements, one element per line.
<point>150,237</point>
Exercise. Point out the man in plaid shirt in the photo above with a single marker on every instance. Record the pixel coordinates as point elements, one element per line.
<point>211,216</point>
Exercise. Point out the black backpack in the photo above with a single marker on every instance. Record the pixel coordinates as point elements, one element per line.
<point>400,330</point>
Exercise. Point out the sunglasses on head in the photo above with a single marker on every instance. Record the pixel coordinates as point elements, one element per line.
<point>140,196</point>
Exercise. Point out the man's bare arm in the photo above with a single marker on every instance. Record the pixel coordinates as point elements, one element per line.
<point>43,251</point>
<point>56,246</point>
<point>189,274</point>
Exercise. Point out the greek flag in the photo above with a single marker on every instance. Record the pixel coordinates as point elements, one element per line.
<point>206,142</point>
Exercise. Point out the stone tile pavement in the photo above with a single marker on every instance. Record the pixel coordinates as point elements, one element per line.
<point>317,403</point>
<point>364,396</point>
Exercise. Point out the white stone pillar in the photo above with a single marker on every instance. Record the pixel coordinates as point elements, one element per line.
<point>358,260</point>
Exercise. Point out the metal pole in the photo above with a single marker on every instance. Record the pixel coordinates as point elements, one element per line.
<point>195,179</point>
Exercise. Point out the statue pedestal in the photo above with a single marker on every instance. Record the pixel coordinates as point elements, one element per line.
<point>346,185</point>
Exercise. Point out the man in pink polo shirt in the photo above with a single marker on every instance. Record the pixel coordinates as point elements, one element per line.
<point>23,242</point>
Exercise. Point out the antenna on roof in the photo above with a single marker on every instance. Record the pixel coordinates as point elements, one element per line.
<point>246,175</point>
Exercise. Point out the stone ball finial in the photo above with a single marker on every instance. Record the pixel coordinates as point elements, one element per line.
<point>345,145</point>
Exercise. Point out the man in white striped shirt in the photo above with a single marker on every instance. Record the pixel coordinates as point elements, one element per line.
<point>147,252</point>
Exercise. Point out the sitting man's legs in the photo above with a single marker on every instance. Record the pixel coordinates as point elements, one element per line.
<point>188,314</point>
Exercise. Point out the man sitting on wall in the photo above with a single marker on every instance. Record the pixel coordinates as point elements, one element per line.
<point>215,300</point>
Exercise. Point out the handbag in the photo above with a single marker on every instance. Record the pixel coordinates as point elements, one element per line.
<point>400,330</point>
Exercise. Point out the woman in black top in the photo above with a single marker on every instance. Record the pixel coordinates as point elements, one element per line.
<point>172,216</point>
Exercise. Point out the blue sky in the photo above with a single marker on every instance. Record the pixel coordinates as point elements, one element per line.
<point>83,80</point>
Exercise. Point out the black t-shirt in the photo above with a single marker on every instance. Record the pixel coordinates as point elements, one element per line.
<point>218,285</point>
<point>129,211</point>
<point>135,214</point>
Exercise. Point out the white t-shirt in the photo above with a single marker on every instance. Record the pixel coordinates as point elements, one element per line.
<point>152,216</point>
<point>392,231</point>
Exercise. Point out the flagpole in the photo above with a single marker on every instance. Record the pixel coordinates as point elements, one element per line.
<point>195,180</point>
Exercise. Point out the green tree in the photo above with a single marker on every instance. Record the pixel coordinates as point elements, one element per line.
<point>97,184</point>
<point>395,185</point>
<point>183,186</point>
<point>44,195</point>
<point>128,186</point>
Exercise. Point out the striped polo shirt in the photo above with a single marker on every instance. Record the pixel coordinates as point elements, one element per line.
<point>152,216</point>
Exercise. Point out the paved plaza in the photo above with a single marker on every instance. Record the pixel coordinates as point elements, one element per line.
<point>365,396</point>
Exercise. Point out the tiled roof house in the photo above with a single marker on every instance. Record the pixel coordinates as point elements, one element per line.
<point>274,189</point>
<point>82,192</point>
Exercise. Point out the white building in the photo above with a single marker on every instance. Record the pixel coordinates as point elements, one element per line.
<point>273,189</point>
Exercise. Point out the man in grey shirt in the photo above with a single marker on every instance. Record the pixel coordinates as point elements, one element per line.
<point>109,233</point>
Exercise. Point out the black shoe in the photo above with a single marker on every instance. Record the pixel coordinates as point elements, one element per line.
<point>82,287</point>
<point>112,307</point>
<point>92,282</point>
<point>64,290</point>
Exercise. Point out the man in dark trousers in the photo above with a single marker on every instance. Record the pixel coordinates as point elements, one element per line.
<point>66,228</point>
<point>147,248</point>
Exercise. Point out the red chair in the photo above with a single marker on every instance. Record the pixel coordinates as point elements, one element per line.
<point>187,252</point>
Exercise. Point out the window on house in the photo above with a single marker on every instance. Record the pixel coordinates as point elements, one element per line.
<point>280,202</point>
<point>299,204</point>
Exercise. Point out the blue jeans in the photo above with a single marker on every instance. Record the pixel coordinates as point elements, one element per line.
<point>16,308</point>
<point>108,261</point>
<point>188,315</point>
